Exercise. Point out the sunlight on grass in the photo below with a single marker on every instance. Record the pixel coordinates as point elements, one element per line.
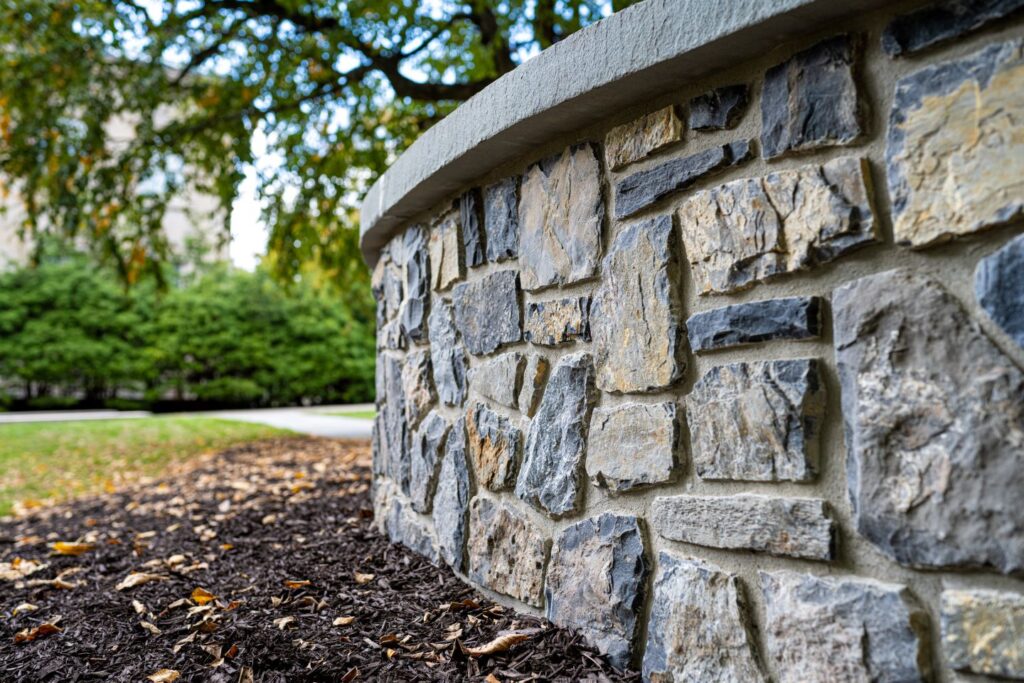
<point>361,414</point>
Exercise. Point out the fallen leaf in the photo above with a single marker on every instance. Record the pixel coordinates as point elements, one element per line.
<point>164,676</point>
<point>297,584</point>
<point>150,627</point>
<point>344,621</point>
<point>23,607</point>
<point>19,569</point>
<point>138,607</point>
<point>226,546</point>
<point>29,634</point>
<point>190,638</point>
<point>491,678</point>
<point>73,549</point>
<point>362,579</point>
<point>201,596</point>
<point>284,622</point>
<point>390,653</point>
<point>137,579</point>
<point>232,652</point>
<point>245,675</point>
<point>500,644</point>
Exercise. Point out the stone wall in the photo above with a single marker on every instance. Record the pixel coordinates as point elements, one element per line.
<point>732,382</point>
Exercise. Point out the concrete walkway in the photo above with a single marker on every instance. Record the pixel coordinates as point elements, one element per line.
<point>71,416</point>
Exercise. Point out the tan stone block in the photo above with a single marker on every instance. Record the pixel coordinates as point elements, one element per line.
<point>644,136</point>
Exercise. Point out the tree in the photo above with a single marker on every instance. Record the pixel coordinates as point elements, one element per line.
<point>332,89</point>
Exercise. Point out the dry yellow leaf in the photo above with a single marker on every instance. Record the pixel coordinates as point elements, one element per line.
<point>491,678</point>
<point>344,621</point>
<point>137,579</point>
<point>164,676</point>
<point>19,569</point>
<point>499,644</point>
<point>390,653</point>
<point>284,622</point>
<point>23,607</point>
<point>73,549</point>
<point>201,596</point>
<point>150,627</point>
<point>363,578</point>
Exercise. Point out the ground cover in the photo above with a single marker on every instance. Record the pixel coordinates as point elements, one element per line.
<point>361,414</point>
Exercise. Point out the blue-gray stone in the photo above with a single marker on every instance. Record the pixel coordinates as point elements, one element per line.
<point>488,312</point>
<point>415,260</point>
<point>797,317</point>
<point>447,357</point>
<point>451,502</point>
<point>718,109</point>
<point>406,527</point>
<point>999,286</point>
<point>425,460</point>
<point>394,435</point>
<point>939,22</point>
<point>472,228</point>
<point>501,219</point>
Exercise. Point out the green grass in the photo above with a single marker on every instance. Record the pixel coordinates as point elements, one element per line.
<point>61,460</point>
<point>361,414</point>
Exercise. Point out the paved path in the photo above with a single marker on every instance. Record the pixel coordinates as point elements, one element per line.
<point>71,416</point>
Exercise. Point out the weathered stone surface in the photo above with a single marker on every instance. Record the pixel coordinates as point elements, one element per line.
<point>636,314</point>
<point>934,417</point>
<point>535,376</point>
<point>383,491</point>
<point>415,264</point>
<point>999,287</point>
<point>501,220</point>
<point>425,460</point>
<point>507,552</point>
<point>471,219</point>
<point>699,629</point>
<point>446,263</point>
<point>942,21</point>
<point>639,191</point>
<point>417,386</point>
<point>487,312</point>
<point>955,148</point>
<point>388,290</point>
<point>633,445</point>
<point>756,421</point>
<point>391,336</point>
<point>595,583</point>
<point>719,109</point>
<point>394,436</point>
<point>560,217</point>
<point>559,321</point>
<point>550,478</point>
<point>750,230</point>
<point>494,446</point>
<point>451,502</point>
<point>796,317</point>
<point>408,528</point>
<point>499,378</point>
<point>447,357</point>
<point>811,100</point>
<point>827,629</point>
<point>982,632</point>
<point>644,136</point>
<point>794,527</point>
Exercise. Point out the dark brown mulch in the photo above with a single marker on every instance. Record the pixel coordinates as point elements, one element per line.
<point>240,525</point>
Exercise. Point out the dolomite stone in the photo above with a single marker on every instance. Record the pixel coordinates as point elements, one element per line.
<point>425,459</point>
<point>754,229</point>
<point>981,632</point>
<point>487,312</point>
<point>756,421</point>
<point>409,529</point>
<point>999,287</point>
<point>633,445</point>
<point>642,137</point>
<point>550,478</point>
<point>719,109</point>
<point>830,629</point>
<point>446,263</point>
<point>499,378</point>
<point>447,357</point>
<point>501,220</point>
<point>636,314</point>
<point>560,217</point>
<point>494,445</point>
<point>699,629</point>
<point>955,148</point>
<point>451,502</point>
<point>811,100</point>
<point>792,318</point>
<point>639,191</point>
<point>470,210</point>
<point>792,527</point>
<point>939,22</point>
<point>417,386</point>
<point>394,437</point>
<point>595,583</point>
<point>507,553</point>
<point>559,321</point>
<point>415,264</point>
<point>535,376</point>
<point>934,422</point>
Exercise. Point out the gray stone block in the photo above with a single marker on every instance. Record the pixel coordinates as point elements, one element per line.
<point>507,553</point>
<point>791,318</point>
<point>447,357</point>
<point>394,437</point>
<point>501,220</point>
<point>719,109</point>
<point>982,632</point>
<point>488,312</point>
<point>414,260</point>
<point>943,21</point>
<point>499,378</point>
<point>451,502</point>
<point>558,321</point>
<point>425,460</point>
<point>407,528</point>
<point>535,377</point>
<point>418,387</point>
<point>494,446</point>
<point>471,218</point>
<point>999,288</point>
<point>633,445</point>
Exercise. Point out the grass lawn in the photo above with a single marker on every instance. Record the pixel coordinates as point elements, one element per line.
<point>361,414</point>
<point>60,460</point>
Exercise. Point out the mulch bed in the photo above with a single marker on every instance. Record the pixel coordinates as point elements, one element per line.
<point>263,557</point>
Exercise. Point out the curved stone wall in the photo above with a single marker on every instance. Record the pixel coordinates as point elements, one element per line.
<point>728,377</point>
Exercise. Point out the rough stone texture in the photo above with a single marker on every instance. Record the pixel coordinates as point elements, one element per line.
<point>447,357</point>
<point>793,527</point>
<point>487,312</point>
<point>550,478</point>
<point>494,445</point>
<point>446,263</point>
<point>699,629</point>
<point>451,502</point>
<point>718,109</point>
<point>394,437</point>
<point>750,230</point>
<point>499,378</point>
<point>558,321</point>
<point>942,21</point>
<point>595,583</point>
<point>636,314</point>
<point>983,632</point>
<point>501,220</point>
<point>388,289</point>
<point>470,217</point>
<point>797,317</point>
<point>955,148</point>
<point>560,217</point>
<point>507,552</point>
<point>934,417</point>
<point>535,376</point>
<point>999,284</point>
<point>644,136</point>
<point>637,192</point>
<point>415,265</point>
<point>811,100</point>
<point>417,386</point>
<point>425,460</point>
<point>408,528</point>
<point>827,629</point>
<point>756,421</point>
<point>633,445</point>
<point>383,491</point>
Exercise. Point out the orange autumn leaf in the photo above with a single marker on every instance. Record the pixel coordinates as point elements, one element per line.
<point>297,584</point>
<point>29,634</point>
<point>73,549</point>
<point>201,596</point>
